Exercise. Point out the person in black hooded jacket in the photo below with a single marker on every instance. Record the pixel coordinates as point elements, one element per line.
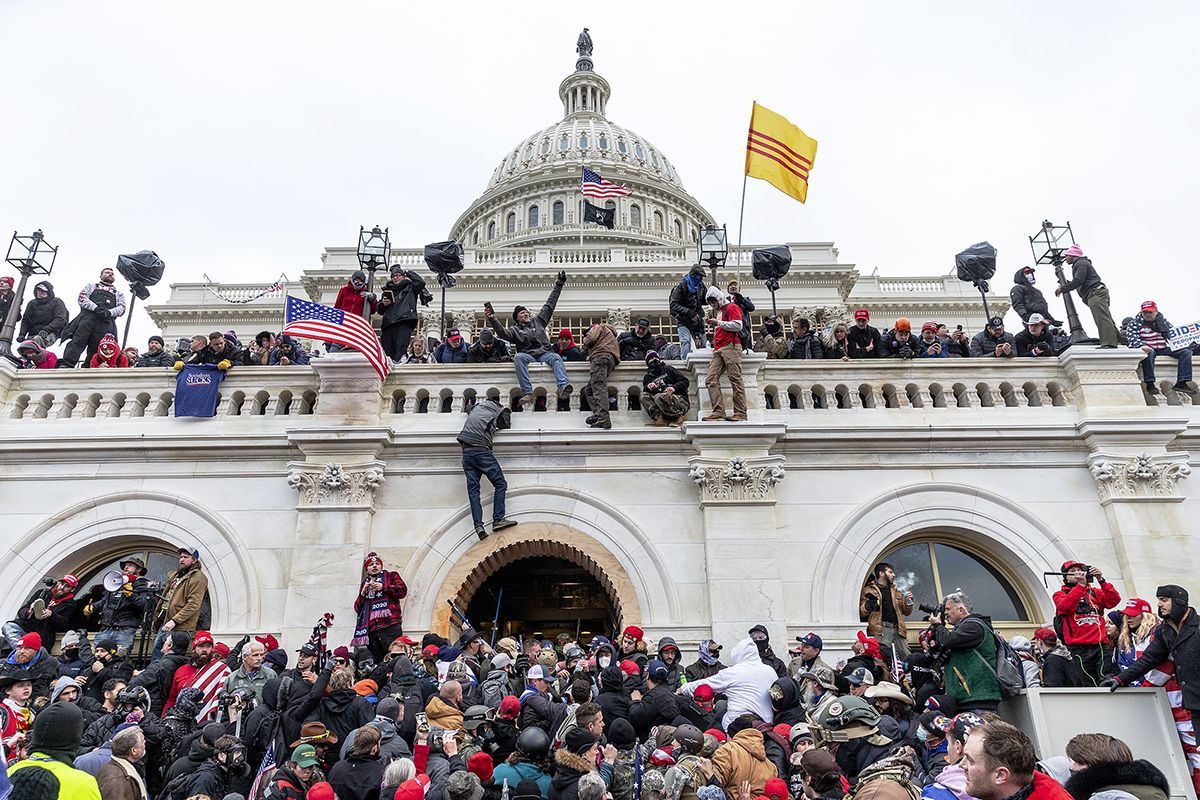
<point>200,749</point>
<point>762,640</point>
<point>1026,299</point>
<point>787,699</point>
<point>342,710</point>
<point>45,316</point>
<point>668,653</point>
<point>158,676</point>
<point>658,705</point>
<point>398,304</point>
<point>612,699</point>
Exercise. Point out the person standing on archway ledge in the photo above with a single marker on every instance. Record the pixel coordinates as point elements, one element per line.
<point>486,417</point>
<point>377,608</point>
<point>184,592</point>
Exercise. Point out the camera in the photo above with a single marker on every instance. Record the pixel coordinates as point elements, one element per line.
<point>931,609</point>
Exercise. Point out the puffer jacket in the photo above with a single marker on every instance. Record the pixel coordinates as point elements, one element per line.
<point>44,315</point>
<point>163,358</point>
<point>984,344</point>
<point>484,419</point>
<point>297,356</point>
<point>1028,300</point>
<point>805,347</point>
<point>531,337</point>
<point>404,299</point>
<point>743,758</point>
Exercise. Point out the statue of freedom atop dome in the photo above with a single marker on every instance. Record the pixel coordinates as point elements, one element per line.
<point>583,45</point>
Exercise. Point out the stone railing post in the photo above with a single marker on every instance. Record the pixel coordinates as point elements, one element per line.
<point>752,364</point>
<point>348,388</point>
<point>1103,378</point>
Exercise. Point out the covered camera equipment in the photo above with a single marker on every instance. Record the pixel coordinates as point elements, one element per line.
<point>769,264</point>
<point>444,259</point>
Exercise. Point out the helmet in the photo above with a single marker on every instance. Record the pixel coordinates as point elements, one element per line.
<point>902,324</point>
<point>574,651</point>
<point>533,743</point>
<point>844,718</point>
<point>690,737</point>
<point>475,716</point>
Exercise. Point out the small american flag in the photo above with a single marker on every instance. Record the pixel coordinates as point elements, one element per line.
<point>315,321</point>
<point>595,186</point>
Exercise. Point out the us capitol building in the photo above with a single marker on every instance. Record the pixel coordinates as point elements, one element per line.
<point>980,474</point>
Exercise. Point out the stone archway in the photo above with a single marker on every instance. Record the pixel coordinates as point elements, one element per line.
<point>485,558</point>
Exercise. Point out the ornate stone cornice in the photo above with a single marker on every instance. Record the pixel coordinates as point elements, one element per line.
<point>1139,478</point>
<point>333,486</point>
<point>737,481</point>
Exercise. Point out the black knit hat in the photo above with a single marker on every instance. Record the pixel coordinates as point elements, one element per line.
<point>157,338</point>
<point>180,642</point>
<point>579,740</point>
<point>518,310</point>
<point>34,783</point>
<point>621,734</point>
<point>58,727</point>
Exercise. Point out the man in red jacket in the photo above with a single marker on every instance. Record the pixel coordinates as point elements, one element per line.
<point>354,295</point>
<point>1079,616</point>
<point>378,608</point>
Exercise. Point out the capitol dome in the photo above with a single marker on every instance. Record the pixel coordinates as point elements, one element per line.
<point>533,196</point>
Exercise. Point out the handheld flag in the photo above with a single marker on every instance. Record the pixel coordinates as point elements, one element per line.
<point>598,215</point>
<point>595,186</point>
<point>779,153</point>
<point>315,321</point>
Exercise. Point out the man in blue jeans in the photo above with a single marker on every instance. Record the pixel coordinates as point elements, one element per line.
<point>485,418</point>
<point>1149,331</point>
<point>529,338</point>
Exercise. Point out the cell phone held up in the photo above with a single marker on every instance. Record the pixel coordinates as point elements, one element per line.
<point>422,723</point>
<point>487,307</point>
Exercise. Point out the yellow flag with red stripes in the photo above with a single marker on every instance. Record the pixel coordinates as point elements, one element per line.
<point>779,153</point>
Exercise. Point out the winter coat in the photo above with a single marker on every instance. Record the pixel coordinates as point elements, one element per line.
<point>807,346</point>
<point>923,348</point>
<point>284,785</point>
<point>443,715</point>
<point>888,779</point>
<point>484,419</point>
<point>72,783</point>
<point>687,306</point>
<point>657,707</point>
<point>539,711</point>
<point>516,771</point>
<point>674,671</point>
<point>983,344</point>
<point>115,358</point>
<point>746,684</point>
<point>1181,642</point>
<point>62,616</point>
<point>671,377</point>
<point>211,780</point>
<point>394,590</point>
<point>602,339</point>
<point>391,745</point>
<point>612,699</point>
<point>43,315</point>
<point>121,609</point>
<point>163,358</point>
<point>342,711</point>
<point>495,687</point>
<point>1025,343</point>
<point>569,353</point>
<point>569,768</point>
<point>1079,611</point>
<point>498,354</point>
<point>351,300</point>
<point>198,753</point>
<point>357,777</point>
<point>157,677</point>
<point>774,345</point>
<point>117,784</point>
<point>42,670</point>
<point>872,613</point>
<point>187,598</point>
<point>743,758</point>
<point>403,307</point>
<point>1133,332</point>
<point>1132,780</point>
<point>530,337</point>
<point>698,671</point>
<point>1058,668</point>
<point>858,340</point>
<point>1084,278</point>
<point>240,679</point>
<point>634,347</point>
<point>968,678</point>
<point>103,299</point>
<point>115,668</point>
<point>446,353</point>
<point>1028,300</point>
<point>894,348</point>
<point>297,356</point>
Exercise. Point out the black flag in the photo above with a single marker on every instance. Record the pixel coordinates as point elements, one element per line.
<point>598,215</point>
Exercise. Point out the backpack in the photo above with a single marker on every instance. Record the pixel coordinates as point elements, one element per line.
<point>1009,671</point>
<point>177,787</point>
<point>494,690</point>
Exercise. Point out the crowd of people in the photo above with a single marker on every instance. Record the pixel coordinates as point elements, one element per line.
<point>387,716</point>
<point>704,317</point>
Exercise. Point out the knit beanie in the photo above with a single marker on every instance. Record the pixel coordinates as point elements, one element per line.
<point>180,642</point>
<point>34,783</point>
<point>517,311</point>
<point>621,734</point>
<point>480,765</point>
<point>58,729</point>
<point>579,740</point>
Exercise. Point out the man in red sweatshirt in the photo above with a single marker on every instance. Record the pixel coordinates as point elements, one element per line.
<point>354,295</point>
<point>1079,616</point>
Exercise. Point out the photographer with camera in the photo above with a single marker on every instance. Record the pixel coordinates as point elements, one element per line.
<point>226,765</point>
<point>883,607</point>
<point>1079,619</point>
<point>158,676</point>
<point>968,645</point>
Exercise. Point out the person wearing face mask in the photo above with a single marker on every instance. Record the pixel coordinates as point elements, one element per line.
<point>665,392</point>
<point>708,663</point>
<point>771,339</point>
<point>1027,300</point>
<point>44,316</point>
<point>354,297</point>
<point>931,745</point>
<point>99,304</point>
<point>213,778</point>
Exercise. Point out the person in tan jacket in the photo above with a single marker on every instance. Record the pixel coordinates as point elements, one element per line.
<point>444,709</point>
<point>185,589</point>
<point>603,353</point>
<point>743,759</point>
<point>119,779</point>
<point>883,607</point>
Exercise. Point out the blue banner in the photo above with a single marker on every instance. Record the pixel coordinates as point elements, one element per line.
<point>196,389</point>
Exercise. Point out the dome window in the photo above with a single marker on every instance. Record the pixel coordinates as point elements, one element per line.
<point>678,230</point>
<point>558,212</point>
<point>624,148</point>
<point>564,143</point>
<point>533,217</point>
<point>639,152</point>
<point>545,146</point>
<point>583,141</point>
<point>475,237</point>
<point>528,152</point>
<point>635,215</point>
<point>654,158</point>
<point>603,142</point>
<point>491,230</point>
<point>510,222</point>
<point>658,221</point>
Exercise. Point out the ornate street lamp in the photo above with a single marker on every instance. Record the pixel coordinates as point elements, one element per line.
<point>373,250</point>
<point>714,248</point>
<point>31,255</point>
<point>1048,245</point>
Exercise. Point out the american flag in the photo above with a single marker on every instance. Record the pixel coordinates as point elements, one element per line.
<point>209,679</point>
<point>315,321</point>
<point>595,186</point>
<point>268,764</point>
<point>637,770</point>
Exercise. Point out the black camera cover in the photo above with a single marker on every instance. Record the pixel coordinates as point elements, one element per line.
<point>142,269</point>
<point>771,262</point>
<point>976,263</point>
<point>444,258</point>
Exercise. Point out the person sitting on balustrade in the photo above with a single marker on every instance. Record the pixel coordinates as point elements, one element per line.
<point>529,337</point>
<point>453,350</point>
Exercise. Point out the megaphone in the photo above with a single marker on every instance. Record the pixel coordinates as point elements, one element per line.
<point>113,580</point>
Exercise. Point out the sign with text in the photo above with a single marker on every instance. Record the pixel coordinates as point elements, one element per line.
<point>196,390</point>
<point>1182,336</point>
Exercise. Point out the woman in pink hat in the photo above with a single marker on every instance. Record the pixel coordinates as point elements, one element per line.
<point>1086,282</point>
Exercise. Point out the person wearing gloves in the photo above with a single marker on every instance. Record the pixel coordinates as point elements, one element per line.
<point>217,352</point>
<point>899,342</point>
<point>727,357</point>
<point>687,307</point>
<point>398,304</point>
<point>99,304</point>
<point>1027,300</point>
<point>44,316</point>
<point>108,354</point>
<point>1092,291</point>
<point>1178,639</point>
<point>929,345</point>
<point>34,356</point>
<point>746,684</point>
<point>1035,341</point>
<point>528,336</point>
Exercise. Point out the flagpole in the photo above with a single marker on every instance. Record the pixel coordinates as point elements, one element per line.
<point>582,200</point>
<point>741,216</point>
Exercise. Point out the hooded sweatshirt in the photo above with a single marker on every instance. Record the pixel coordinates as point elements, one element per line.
<point>746,684</point>
<point>44,314</point>
<point>41,358</point>
<point>568,349</point>
<point>109,354</point>
<point>1027,300</point>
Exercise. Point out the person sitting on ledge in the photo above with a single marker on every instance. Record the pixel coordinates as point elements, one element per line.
<point>528,335</point>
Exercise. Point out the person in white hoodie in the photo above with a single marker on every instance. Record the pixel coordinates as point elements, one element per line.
<point>746,684</point>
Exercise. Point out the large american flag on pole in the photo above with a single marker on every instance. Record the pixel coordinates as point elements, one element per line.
<point>315,321</point>
<point>595,186</point>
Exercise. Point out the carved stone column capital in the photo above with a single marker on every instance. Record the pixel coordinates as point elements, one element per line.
<point>737,480</point>
<point>336,487</point>
<point>464,320</point>
<point>619,318</point>
<point>1139,478</point>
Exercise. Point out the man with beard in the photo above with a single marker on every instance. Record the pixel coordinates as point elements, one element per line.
<point>202,654</point>
<point>46,612</point>
<point>762,640</point>
<point>184,590</point>
<point>1000,762</point>
<point>883,607</point>
<point>44,317</point>
<point>156,354</point>
<point>377,607</point>
<point>1176,639</point>
<point>665,392</point>
<point>99,304</point>
<point>120,612</point>
<point>109,667</point>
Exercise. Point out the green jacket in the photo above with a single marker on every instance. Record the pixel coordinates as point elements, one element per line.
<point>970,644</point>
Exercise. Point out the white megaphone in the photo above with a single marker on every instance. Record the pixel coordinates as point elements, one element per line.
<point>113,580</point>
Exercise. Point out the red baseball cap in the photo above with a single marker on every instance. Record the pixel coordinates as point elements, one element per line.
<point>405,640</point>
<point>862,313</point>
<point>202,637</point>
<point>268,641</point>
<point>510,707</point>
<point>1045,634</point>
<point>703,693</point>
<point>1068,565</point>
<point>633,632</point>
<point>221,648</point>
<point>718,734</point>
<point>630,668</point>
<point>1149,305</point>
<point>1136,605</point>
<point>776,788</point>
<point>430,651</point>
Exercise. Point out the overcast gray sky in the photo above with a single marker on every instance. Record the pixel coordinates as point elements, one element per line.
<point>239,139</point>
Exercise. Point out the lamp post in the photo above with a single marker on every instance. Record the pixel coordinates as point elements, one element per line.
<point>29,255</point>
<point>714,248</point>
<point>1048,245</point>
<point>373,250</point>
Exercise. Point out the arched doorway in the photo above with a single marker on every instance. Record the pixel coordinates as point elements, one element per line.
<point>542,596</point>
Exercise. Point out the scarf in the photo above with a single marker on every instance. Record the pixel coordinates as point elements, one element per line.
<point>694,282</point>
<point>132,773</point>
<point>706,658</point>
<point>21,715</point>
<point>375,606</point>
